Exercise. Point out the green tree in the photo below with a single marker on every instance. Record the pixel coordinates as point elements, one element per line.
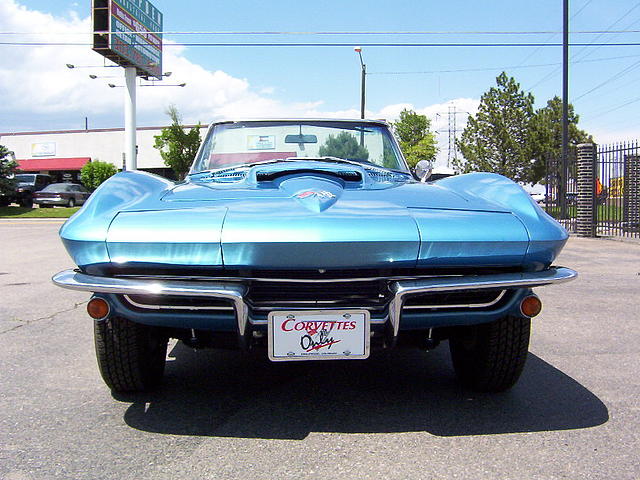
<point>417,141</point>
<point>96,172</point>
<point>177,147</point>
<point>498,138</point>
<point>8,168</point>
<point>546,132</point>
<point>344,145</point>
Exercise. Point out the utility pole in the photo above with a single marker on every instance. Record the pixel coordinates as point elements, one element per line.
<point>565,110</point>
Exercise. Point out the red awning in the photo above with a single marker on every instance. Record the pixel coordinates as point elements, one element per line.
<point>39,164</point>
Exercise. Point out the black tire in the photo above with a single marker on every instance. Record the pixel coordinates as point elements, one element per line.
<point>71,203</point>
<point>490,357</point>
<point>131,356</point>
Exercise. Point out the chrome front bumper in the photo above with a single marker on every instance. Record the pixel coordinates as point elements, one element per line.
<point>235,291</point>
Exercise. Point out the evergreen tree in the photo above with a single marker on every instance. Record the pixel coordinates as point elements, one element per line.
<point>8,168</point>
<point>547,135</point>
<point>498,138</point>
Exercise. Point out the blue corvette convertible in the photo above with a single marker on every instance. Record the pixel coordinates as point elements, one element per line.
<point>313,240</point>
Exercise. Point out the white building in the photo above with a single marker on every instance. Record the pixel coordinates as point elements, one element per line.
<point>62,154</point>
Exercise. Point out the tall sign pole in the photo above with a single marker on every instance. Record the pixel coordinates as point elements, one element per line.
<point>565,110</point>
<point>130,119</point>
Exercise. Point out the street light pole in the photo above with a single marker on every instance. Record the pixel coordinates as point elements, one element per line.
<point>363,81</point>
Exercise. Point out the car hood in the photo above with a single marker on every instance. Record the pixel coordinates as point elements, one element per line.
<point>311,220</point>
<point>317,221</point>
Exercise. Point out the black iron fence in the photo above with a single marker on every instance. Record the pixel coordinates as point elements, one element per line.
<point>599,192</point>
<point>561,190</point>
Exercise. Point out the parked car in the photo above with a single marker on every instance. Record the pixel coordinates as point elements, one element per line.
<point>26,185</point>
<point>61,194</point>
<point>311,240</point>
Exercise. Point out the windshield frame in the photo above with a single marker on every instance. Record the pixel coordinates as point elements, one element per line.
<point>347,125</point>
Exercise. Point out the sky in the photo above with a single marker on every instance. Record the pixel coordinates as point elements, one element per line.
<point>38,92</point>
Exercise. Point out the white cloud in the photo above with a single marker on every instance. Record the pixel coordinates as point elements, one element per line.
<point>34,82</point>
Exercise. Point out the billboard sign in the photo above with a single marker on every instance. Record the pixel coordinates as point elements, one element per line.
<point>127,33</point>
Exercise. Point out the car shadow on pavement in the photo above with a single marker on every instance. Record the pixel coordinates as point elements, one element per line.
<point>229,394</point>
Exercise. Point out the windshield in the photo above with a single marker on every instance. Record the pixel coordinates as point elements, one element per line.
<point>242,143</point>
<point>57,187</point>
<point>25,178</point>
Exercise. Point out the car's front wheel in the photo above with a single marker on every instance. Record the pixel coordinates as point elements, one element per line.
<point>490,357</point>
<point>131,356</point>
<point>71,202</point>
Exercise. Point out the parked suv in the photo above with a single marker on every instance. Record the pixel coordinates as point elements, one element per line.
<point>27,184</point>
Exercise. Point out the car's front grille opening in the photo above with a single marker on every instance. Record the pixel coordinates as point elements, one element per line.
<point>175,302</point>
<point>367,294</point>
<point>463,299</point>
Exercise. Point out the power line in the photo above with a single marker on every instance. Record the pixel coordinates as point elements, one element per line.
<point>327,44</point>
<point>345,33</point>
<point>592,43</point>
<point>616,76</point>
<point>489,69</point>
<point>555,33</point>
<point>627,102</point>
<point>624,15</point>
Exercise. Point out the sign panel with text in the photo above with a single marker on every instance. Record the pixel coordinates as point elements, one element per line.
<point>128,32</point>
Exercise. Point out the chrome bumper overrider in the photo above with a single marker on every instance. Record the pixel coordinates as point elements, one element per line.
<point>235,291</point>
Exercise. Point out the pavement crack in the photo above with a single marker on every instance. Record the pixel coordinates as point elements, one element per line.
<point>43,319</point>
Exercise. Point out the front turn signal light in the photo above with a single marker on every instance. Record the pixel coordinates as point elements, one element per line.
<point>98,308</point>
<point>530,306</point>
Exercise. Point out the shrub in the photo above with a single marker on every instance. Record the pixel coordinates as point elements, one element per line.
<point>96,172</point>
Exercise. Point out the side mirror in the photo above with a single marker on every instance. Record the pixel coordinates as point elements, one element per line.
<point>423,170</point>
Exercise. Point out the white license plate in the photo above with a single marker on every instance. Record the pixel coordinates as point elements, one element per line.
<point>319,335</point>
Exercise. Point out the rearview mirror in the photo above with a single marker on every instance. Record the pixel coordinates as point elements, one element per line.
<point>300,139</point>
<point>423,170</point>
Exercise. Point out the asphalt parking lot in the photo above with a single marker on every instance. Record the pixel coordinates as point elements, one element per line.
<point>400,415</point>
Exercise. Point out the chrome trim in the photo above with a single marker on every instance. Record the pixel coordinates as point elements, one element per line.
<point>90,283</point>
<point>473,282</point>
<point>468,305</point>
<point>235,292</point>
<point>151,306</point>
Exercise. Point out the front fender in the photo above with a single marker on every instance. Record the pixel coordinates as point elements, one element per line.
<point>546,236</point>
<point>84,234</point>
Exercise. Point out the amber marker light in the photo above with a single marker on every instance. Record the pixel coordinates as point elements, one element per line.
<point>98,308</point>
<point>530,306</point>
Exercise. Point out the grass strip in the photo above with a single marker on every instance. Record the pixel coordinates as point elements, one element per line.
<point>24,212</point>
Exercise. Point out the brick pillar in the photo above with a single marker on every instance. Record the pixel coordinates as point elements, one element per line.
<point>586,203</point>
<point>631,194</point>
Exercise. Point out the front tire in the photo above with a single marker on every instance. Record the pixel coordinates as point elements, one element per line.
<point>131,356</point>
<point>71,203</point>
<point>490,357</point>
